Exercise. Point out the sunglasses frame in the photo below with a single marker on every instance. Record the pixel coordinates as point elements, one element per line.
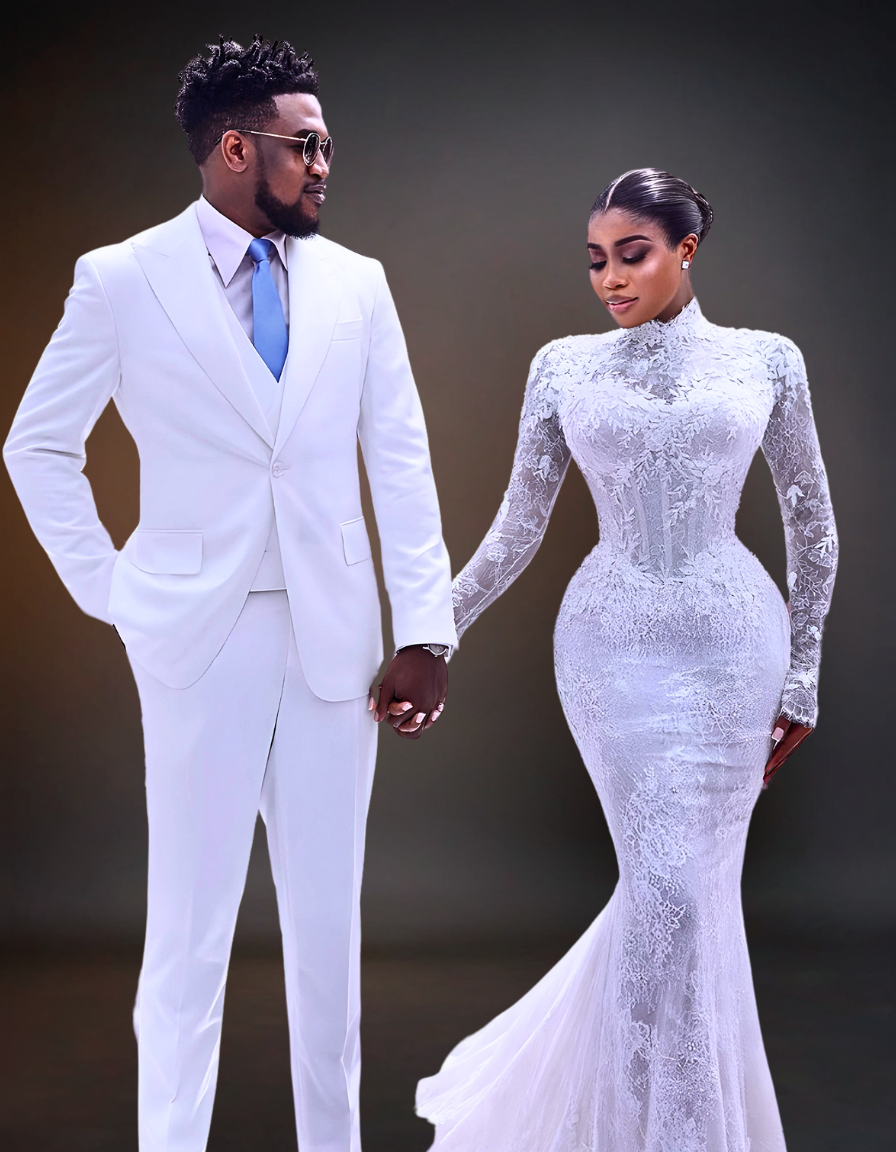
<point>304,140</point>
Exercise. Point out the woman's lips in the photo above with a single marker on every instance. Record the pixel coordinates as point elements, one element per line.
<point>621,304</point>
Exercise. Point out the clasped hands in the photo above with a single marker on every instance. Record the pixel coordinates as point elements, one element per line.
<point>412,694</point>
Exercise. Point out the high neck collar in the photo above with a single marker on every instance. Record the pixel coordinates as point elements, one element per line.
<point>680,326</point>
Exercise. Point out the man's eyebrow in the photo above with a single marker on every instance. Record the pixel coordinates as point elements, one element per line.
<point>625,240</point>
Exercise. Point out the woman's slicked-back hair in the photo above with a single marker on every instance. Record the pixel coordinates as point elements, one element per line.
<point>234,87</point>
<point>667,200</point>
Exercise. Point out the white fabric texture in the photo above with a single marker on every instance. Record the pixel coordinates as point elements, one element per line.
<point>674,656</point>
<point>250,735</point>
<point>144,326</point>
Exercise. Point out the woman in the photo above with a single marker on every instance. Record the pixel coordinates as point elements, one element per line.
<point>686,684</point>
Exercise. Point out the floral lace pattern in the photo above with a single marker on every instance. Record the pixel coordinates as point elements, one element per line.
<point>674,654</point>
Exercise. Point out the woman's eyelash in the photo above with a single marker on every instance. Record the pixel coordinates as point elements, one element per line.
<point>599,265</point>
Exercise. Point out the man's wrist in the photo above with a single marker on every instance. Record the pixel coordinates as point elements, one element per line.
<point>436,650</point>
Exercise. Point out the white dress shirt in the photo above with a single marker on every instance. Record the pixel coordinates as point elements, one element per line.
<point>227,244</point>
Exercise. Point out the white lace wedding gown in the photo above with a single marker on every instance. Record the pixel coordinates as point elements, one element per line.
<point>674,656</point>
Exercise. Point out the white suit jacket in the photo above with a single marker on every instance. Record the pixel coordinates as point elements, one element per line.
<point>144,325</point>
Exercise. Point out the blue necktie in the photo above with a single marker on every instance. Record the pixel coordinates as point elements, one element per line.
<point>271,338</point>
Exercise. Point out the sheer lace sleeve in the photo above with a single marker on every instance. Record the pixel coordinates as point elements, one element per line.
<point>539,466</point>
<point>791,448</point>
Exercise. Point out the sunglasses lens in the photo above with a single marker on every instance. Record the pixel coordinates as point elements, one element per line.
<point>326,149</point>
<point>312,144</point>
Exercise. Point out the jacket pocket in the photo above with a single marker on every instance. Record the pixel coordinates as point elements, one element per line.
<point>355,541</point>
<point>348,329</point>
<point>168,553</point>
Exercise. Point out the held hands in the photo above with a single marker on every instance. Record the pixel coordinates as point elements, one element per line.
<point>412,694</point>
<point>787,737</point>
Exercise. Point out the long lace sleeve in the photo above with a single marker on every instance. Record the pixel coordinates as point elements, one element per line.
<point>541,460</point>
<point>791,447</point>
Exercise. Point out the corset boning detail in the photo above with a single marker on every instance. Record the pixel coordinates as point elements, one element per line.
<point>662,527</point>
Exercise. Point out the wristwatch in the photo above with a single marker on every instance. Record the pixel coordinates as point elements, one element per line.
<point>437,649</point>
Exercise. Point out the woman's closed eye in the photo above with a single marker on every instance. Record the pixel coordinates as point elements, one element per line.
<point>633,258</point>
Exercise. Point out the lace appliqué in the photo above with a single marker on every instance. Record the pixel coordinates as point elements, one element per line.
<point>675,653</point>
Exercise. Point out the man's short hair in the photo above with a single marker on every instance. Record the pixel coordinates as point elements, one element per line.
<point>234,87</point>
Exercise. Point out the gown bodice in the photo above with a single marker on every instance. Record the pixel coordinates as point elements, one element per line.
<point>663,421</point>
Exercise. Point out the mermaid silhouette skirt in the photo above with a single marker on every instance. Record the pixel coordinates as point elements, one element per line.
<point>645,1036</point>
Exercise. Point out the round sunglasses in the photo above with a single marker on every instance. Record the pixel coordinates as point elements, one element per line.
<point>311,144</point>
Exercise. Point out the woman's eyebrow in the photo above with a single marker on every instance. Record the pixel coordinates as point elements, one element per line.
<point>624,240</point>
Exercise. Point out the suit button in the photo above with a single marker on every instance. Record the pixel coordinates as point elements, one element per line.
<point>277,469</point>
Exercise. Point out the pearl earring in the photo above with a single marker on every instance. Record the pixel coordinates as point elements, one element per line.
<point>685,263</point>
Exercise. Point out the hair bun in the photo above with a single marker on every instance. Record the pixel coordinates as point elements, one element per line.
<point>705,211</point>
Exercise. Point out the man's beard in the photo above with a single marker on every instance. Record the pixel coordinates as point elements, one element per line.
<point>288,218</point>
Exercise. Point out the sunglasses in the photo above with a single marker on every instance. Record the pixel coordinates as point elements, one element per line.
<point>311,144</point>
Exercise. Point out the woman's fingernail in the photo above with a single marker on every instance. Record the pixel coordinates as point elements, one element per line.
<point>420,717</point>
<point>777,734</point>
<point>405,707</point>
<point>440,708</point>
<point>435,715</point>
<point>371,704</point>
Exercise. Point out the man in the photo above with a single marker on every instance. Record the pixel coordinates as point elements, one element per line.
<point>247,357</point>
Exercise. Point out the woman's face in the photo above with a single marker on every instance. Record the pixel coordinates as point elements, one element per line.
<point>634,272</point>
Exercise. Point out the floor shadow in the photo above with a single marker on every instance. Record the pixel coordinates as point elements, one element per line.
<point>69,1077</point>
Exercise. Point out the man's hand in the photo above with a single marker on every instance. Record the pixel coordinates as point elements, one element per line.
<point>787,737</point>
<point>412,694</point>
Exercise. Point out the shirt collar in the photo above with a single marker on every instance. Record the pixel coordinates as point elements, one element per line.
<point>227,242</point>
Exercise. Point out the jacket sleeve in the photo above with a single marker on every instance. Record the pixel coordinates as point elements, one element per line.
<point>44,453</point>
<point>394,444</point>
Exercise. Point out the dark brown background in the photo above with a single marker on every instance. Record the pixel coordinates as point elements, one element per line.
<point>471,143</point>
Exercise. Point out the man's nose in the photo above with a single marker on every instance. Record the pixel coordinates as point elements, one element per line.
<point>319,166</point>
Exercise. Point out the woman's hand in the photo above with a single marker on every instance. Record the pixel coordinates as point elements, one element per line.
<point>787,737</point>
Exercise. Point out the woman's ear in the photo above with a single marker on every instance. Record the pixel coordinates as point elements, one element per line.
<point>688,247</point>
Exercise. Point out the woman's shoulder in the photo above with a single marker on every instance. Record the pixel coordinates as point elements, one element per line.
<point>571,349</point>
<point>557,363</point>
<point>771,345</point>
<point>777,358</point>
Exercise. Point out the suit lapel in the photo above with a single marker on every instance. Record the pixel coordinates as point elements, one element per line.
<point>315,292</point>
<point>175,261</point>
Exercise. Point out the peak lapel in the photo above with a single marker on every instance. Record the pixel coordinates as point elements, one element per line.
<point>315,292</point>
<point>175,261</point>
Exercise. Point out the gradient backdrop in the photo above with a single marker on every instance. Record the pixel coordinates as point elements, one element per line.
<point>471,143</point>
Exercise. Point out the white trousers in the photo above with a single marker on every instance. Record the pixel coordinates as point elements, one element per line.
<point>248,736</point>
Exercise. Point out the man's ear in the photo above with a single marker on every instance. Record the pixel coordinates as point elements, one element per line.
<point>235,150</point>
